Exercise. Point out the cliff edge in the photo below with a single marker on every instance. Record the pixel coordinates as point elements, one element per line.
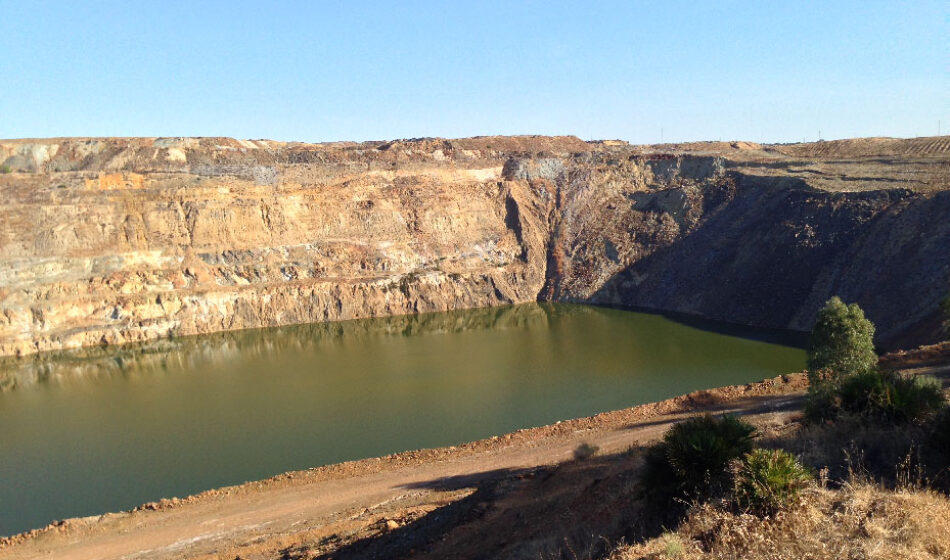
<point>109,240</point>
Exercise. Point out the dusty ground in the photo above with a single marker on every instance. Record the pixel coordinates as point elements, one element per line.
<point>533,493</point>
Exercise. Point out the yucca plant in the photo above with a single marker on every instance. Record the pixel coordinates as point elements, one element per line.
<point>691,463</point>
<point>769,480</point>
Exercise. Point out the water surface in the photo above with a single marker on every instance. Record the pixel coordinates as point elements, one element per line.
<point>108,429</point>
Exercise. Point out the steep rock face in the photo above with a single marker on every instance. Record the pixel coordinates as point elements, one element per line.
<point>119,240</point>
<point>120,255</point>
<point>772,256</point>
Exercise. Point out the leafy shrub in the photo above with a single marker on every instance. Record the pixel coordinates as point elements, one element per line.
<point>853,446</point>
<point>769,480</point>
<point>823,403</point>
<point>940,439</point>
<point>5,169</point>
<point>841,342</point>
<point>691,463</point>
<point>881,395</point>
<point>891,396</point>
<point>916,397</point>
<point>585,451</point>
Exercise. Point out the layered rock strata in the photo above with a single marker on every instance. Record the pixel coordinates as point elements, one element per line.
<point>106,241</point>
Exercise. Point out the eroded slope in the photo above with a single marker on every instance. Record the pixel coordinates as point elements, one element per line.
<point>119,240</point>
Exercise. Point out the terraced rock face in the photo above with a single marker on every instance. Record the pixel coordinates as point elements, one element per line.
<point>108,241</point>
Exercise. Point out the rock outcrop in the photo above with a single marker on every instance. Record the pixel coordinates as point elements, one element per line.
<point>106,241</point>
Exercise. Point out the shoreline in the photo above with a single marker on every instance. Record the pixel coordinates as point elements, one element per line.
<point>335,498</point>
<point>692,402</point>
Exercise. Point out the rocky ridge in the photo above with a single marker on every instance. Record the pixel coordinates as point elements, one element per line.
<point>107,240</point>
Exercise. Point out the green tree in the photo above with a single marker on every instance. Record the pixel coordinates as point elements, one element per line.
<point>842,342</point>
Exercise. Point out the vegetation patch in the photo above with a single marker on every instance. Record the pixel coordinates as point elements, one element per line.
<point>939,446</point>
<point>692,462</point>
<point>879,439</point>
<point>841,343</point>
<point>878,395</point>
<point>844,378</point>
<point>861,520</point>
<point>406,282</point>
<point>768,481</point>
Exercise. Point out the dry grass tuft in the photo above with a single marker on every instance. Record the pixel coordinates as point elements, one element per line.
<point>858,521</point>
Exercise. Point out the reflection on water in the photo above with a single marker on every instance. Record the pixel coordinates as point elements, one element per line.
<point>108,428</point>
<point>195,352</point>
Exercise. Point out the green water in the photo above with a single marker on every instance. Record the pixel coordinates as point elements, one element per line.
<point>108,429</point>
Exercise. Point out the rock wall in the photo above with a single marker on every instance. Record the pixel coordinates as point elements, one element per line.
<point>106,241</point>
<point>771,256</point>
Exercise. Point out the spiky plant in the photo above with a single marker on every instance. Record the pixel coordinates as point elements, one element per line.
<point>691,463</point>
<point>769,480</point>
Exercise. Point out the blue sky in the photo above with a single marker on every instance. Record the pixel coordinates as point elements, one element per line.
<point>318,71</point>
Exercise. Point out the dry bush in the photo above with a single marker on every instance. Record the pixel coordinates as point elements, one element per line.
<point>852,447</point>
<point>858,521</point>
